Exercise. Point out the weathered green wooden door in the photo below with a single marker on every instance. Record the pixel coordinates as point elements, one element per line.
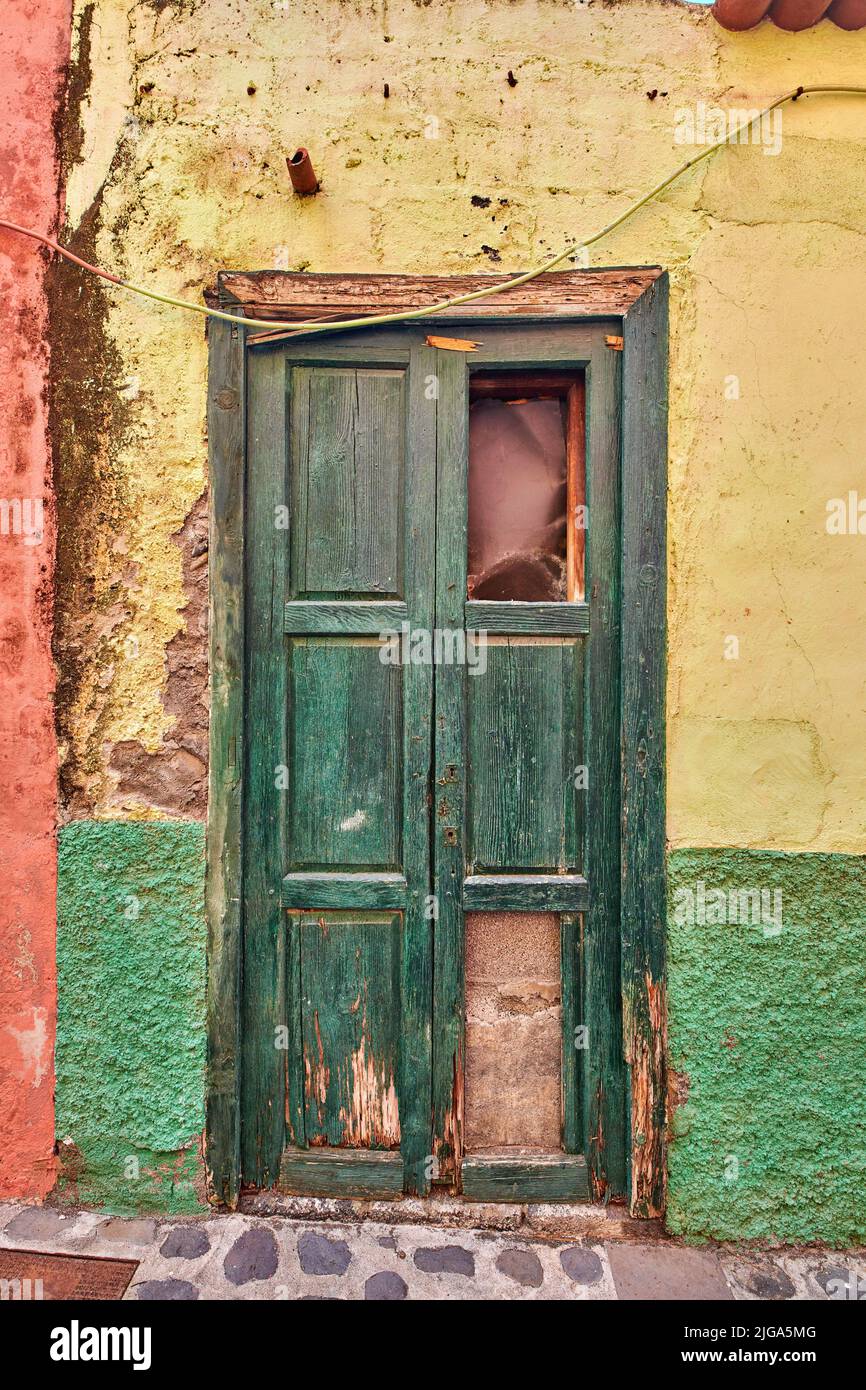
<point>393,792</point>
<point>340,544</point>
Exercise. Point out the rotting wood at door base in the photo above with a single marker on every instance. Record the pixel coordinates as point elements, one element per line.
<point>347,1173</point>
<point>540,1177</point>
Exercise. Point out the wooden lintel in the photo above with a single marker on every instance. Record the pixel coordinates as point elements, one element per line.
<point>288,296</point>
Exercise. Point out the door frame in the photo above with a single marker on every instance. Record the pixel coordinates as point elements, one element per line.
<point>638,298</point>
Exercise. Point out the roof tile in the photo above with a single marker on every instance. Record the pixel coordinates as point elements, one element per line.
<point>790,14</point>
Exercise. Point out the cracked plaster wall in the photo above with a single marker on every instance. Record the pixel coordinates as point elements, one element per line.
<point>182,116</point>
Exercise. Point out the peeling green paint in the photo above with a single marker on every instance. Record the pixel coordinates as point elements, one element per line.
<point>131,1025</point>
<point>767,1044</point>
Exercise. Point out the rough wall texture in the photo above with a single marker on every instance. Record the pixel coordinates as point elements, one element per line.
<point>34,45</point>
<point>179,119</point>
<point>766,1039</point>
<point>183,116</point>
<point>130,1030</point>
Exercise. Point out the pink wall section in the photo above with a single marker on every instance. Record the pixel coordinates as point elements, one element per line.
<point>34,48</point>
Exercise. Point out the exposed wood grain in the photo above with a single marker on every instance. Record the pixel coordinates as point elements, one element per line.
<point>512,618</point>
<point>224,863</point>
<point>341,1173</point>
<point>346,736</point>
<point>525,893</point>
<point>451,344</point>
<point>517,717</point>
<point>290,295</point>
<point>540,1178</point>
<point>348,442</point>
<point>449,769</point>
<point>603,1077</point>
<point>344,890</point>
<point>345,616</point>
<point>351,1029</point>
<point>266,1008</point>
<point>643,739</point>
<point>416,984</point>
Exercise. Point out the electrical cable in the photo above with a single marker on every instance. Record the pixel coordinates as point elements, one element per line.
<point>371,320</point>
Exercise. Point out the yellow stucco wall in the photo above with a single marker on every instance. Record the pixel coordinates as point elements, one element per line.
<point>181,170</point>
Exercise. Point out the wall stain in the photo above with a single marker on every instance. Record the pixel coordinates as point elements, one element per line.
<point>174,778</point>
<point>87,418</point>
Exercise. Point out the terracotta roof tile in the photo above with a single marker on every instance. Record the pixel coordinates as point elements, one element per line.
<point>790,14</point>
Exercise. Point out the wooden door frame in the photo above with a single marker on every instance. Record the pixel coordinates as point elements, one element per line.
<point>638,298</point>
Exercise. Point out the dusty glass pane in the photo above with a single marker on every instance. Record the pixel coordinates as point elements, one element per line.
<point>517,500</point>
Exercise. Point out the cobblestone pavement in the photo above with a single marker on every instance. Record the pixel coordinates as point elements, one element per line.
<point>271,1257</point>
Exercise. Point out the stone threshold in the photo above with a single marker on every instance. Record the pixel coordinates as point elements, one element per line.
<point>538,1220</point>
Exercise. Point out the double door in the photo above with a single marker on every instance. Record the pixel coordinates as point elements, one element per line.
<point>431,985</point>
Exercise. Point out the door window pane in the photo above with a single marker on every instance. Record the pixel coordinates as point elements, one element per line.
<point>525,483</point>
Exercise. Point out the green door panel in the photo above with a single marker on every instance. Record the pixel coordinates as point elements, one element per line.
<point>350,1029</point>
<point>345,756</point>
<point>348,457</point>
<point>524,720</point>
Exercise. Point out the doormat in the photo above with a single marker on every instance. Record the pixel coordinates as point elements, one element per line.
<point>30,1275</point>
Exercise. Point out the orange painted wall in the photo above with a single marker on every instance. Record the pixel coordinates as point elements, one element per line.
<point>34,41</point>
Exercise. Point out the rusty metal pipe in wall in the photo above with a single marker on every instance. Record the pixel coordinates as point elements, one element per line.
<point>301,172</point>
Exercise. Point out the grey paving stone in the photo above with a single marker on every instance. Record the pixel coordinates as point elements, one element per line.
<point>185,1243</point>
<point>39,1223</point>
<point>582,1266</point>
<point>673,1272</point>
<point>167,1290</point>
<point>322,1255</point>
<point>386,1287</point>
<point>445,1259</point>
<point>509,1267</point>
<point>253,1256</point>
<point>770,1282</point>
<point>129,1232</point>
<point>523,1266</point>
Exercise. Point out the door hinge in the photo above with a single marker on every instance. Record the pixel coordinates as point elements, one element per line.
<point>614,343</point>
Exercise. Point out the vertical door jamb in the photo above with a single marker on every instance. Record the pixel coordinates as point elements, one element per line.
<point>644,492</point>
<point>226,414</point>
<point>449,769</point>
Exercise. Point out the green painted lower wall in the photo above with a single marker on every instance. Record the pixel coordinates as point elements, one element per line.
<point>131,1022</point>
<point>768,1034</point>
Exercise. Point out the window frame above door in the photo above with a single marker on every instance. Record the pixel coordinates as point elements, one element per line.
<point>636,298</point>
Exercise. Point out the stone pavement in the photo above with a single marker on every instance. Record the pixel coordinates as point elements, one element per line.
<point>271,1257</point>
